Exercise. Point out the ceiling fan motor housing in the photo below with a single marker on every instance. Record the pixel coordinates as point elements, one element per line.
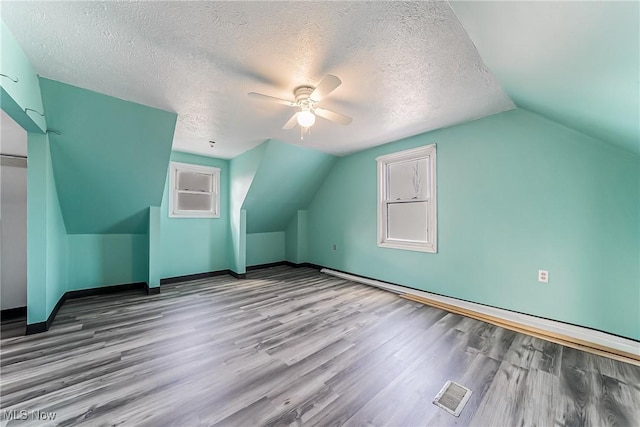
<point>302,94</point>
<point>306,116</point>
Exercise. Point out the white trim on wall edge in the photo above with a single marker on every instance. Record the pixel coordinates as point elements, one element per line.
<point>552,326</point>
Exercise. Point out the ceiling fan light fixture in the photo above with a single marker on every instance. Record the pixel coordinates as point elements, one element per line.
<point>306,118</point>
<point>306,98</point>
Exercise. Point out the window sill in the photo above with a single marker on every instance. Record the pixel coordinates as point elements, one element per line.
<point>417,247</point>
<point>193,216</point>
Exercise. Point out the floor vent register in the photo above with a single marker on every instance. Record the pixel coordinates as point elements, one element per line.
<point>452,398</point>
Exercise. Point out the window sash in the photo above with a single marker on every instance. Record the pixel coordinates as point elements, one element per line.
<point>193,179</point>
<point>428,231</point>
<point>396,237</point>
<point>416,178</point>
<point>212,197</point>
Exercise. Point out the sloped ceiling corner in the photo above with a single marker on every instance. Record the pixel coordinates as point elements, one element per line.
<point>286,180</point>
<point>243,170</point>
<point>577,63</point>
<point>110,159</point>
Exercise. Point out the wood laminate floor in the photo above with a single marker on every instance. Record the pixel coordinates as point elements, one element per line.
<point>296,347</point>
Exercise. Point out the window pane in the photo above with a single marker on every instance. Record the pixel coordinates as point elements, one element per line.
<point>408,180</point>
<point>407,221</point>
<point>194,181</point>
<point>194,202</point>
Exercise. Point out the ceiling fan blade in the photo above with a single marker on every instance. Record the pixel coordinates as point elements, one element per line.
<point>333,116</point>
<point>272,99</point>
<point>325,87</point>
<point>293,121</point>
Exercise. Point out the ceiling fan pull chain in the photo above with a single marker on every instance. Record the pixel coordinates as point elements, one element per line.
<point>304,131</point>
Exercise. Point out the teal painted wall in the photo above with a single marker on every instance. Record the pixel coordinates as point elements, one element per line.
<point>516,193</point>
<point>243,171</point>
<point>240,260</point>
<point>37,187</point>
<point>46,234</point>
<point>154,242</point>
<point>195,245</point>
<point>303,236</point>
<point>286,180</point>
<point>264,248</point>
<point>110,161</point>
<point>291,240</point>
<point>97,260</point>
<point>297,239</point>
<point>47,266</point>
<point>270,183</point>
<point>57,244</point>
<point>25,93</point>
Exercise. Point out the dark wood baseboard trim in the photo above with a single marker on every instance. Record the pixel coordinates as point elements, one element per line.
<point>486,305</point>
<point>55,310</point>
<point>106,290</point>
<point>287,263</point>
<point>36,328</point>
<point>12,313</point>
<point>199,276</point>
<point>196,276</point>
<point>524,329</point>
<point>151,290</point>
<point>309,265</point>
<point>268,265</point>
<point>238,275</point>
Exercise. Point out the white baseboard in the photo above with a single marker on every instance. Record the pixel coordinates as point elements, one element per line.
<point>551,326</point>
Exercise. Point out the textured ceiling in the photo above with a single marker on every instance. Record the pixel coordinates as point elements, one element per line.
<point>406,67</point>
<point>13,139</point>
<point>577,63</point>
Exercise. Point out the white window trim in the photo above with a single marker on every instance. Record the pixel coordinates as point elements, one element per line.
<point>215,172</point>
<point>427,151</point>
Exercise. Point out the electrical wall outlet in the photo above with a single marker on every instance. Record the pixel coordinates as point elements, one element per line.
<point>543,276</point>
<point>334,247</point>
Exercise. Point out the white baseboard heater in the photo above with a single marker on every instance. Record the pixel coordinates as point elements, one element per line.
<point>586,339</point>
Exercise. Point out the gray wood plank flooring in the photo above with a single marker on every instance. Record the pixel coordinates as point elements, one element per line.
<point>291,346</point>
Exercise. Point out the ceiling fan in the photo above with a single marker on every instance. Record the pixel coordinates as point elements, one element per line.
<point>306,98</point>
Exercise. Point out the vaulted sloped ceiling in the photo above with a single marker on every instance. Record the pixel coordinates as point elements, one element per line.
<point>577,63</point>
<point>406,67</point>
<point>285,181</point>
<point>109,158</point>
